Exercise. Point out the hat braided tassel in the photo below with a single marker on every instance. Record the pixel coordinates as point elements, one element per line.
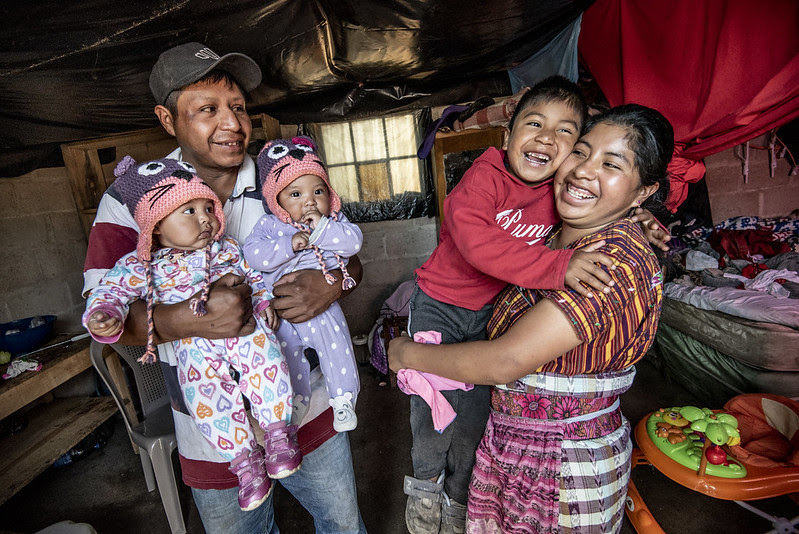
<point>348,282</point>
<point>197,305</point>
<point>329,277</point>
<point>149,355</point>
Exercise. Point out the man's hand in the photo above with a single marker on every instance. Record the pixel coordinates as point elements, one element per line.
<point>302,295</point>
<point>229,314</point>
<point>583,268</point>
<point>655,233</point>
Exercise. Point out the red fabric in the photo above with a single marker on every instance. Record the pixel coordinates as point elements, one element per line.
<point>722,72</point>
<point>743,244</point>
<point>761,444</point>
<point>107,243</point>
<point>216,475</point>
<point>493,234</point>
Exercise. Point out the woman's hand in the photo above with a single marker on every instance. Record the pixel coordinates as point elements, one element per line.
<point>396,349</point>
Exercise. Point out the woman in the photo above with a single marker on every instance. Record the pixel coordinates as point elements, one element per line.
<point>555,456</point>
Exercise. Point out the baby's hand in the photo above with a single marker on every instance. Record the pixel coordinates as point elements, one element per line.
<point>583,268</point>
<point>311,219</point>
<point>299,241</point>
<point>270,315</point>
<point>654,232</point>
<point>103,325</point>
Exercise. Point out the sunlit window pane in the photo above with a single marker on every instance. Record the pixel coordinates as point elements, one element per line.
<point>405,175</point>
<point>345,182</point>
<point>374,182</point>
<point>338,144</point>
<point>373,166</point>
<point>401,136</point>
<point>369,139</point>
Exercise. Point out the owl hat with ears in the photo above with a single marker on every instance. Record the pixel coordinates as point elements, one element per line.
<point>151,191</point>
<point>280,162</point>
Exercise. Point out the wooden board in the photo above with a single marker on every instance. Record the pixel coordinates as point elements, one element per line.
<point>59,364</point>
<point>52,430</point>
<point>449,142</point>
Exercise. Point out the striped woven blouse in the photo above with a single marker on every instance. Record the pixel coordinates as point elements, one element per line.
<point>618,327</point>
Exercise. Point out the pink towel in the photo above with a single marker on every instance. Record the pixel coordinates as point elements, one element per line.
<point>429,386</point>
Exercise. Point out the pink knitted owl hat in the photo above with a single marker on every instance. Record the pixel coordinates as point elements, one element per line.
<point>280,162</point>
<point>154,189</point>
<point>151,191</point>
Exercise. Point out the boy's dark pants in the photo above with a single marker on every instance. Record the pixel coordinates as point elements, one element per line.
<point>453,450</point>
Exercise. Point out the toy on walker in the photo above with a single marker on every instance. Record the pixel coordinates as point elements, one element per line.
<point>706,451</point>
<point>693,438</point>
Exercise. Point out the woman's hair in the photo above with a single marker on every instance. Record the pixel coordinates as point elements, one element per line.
<point>553,89</point>
<point>651,138</point>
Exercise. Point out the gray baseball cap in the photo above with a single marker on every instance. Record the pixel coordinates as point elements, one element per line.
<point>185,64</point>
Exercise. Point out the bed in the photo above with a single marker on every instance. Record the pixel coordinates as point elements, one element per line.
<point>730,320</point>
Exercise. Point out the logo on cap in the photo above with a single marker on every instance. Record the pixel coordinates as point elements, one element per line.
<point>206,53</point>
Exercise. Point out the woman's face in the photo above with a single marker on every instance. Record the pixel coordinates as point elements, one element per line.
<point>598,182</point>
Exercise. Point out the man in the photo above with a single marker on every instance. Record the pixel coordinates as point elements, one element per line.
<point>201,102</point>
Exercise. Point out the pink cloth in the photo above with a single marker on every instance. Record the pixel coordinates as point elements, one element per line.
<point>429,386</point>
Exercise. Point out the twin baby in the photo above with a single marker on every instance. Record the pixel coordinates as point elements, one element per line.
<point>182,247</point>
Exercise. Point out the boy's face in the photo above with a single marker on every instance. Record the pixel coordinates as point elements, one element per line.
<point>306,199</point>
<point>190,227</point>
<point>543,135</point>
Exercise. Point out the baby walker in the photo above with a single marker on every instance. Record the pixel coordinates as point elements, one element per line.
<point>704,450</point>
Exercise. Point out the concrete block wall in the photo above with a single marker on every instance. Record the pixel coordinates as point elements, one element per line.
<point>391,252</point>
<point>42,248</point>
<point>761,194</point>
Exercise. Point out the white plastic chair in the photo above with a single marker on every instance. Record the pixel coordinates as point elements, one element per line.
<point>155,434</point>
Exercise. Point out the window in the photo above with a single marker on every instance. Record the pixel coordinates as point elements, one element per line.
<point>373,166</point>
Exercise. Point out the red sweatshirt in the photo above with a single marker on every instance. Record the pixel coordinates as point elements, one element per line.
<point>494,233</point>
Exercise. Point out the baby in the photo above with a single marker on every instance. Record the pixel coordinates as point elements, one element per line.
<point>304,228</point>
<point>181,248</point>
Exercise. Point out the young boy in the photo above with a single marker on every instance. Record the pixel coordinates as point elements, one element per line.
<point>304,228</point>
<point>181,249</point>
<point>495,225</point>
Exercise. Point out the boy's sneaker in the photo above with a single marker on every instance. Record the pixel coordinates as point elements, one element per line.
<point>423,509</point>
<point>453,516</point>
<point>283,456</point>
<point>344,418</point>
<point>254,485</point>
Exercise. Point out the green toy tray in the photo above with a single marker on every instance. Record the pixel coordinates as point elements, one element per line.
<point>688,453</point>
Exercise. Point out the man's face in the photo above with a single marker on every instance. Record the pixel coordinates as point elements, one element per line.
<point>212,127</point>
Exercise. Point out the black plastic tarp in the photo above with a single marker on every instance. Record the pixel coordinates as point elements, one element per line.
<point>74,70</point>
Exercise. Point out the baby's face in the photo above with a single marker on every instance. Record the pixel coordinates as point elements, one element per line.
<point>306,199</point>
<point>190,227</point>
<point>542,136</point>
